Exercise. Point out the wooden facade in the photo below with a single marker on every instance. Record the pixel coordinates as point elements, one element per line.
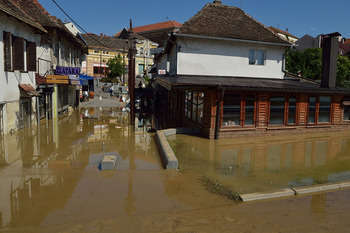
<point>213,99</point>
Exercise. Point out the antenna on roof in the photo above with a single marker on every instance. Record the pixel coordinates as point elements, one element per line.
<point>131,30</point>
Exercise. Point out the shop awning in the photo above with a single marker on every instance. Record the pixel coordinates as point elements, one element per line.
<point>27,91</point>
<point>84,79</point>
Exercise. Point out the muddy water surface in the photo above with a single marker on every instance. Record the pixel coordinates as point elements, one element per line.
<point>260,164</point>
<point>48,183</point>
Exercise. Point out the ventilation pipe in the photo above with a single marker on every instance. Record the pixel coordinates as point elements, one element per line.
<point>330,52</point>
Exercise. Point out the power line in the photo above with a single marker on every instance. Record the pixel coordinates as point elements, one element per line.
<point>81,28</point>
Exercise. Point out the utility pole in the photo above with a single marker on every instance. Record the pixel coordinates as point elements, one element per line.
<point>131,81</point>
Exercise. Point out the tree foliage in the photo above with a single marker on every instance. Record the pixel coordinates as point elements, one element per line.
<point>115,69</point>
<point>308,63</point>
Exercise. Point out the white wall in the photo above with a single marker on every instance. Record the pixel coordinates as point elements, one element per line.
<point>9,81</point>
<point>226,58</point>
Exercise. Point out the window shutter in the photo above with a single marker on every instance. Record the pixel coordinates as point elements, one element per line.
<point>31,56</point>
<point>7,50</point>
<point>18,53</point>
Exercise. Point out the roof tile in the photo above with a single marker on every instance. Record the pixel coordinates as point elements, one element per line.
<point>217,20</point>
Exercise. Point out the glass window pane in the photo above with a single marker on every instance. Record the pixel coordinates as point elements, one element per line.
<point>325,109</point>
<point>260,57</point>
<point>249,110</point>
<point>312,110</point>
<point>194,112</point>
<point>252,57</point>
<point>277,110</point>
<point>292,110</point>
<point>232,110</point>
<point>346,113</point>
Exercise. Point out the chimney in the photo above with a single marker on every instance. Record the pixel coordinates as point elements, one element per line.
<point>217,2</point>
<point>330,46</point>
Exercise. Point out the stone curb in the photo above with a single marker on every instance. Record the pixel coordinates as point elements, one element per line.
<point>294,191</point>
<point>264,196</point>
<point>167,154</point>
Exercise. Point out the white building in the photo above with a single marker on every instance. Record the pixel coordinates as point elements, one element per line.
<point>20,37</point>
<point>205,47</point>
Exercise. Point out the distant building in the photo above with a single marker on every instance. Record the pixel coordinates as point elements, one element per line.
<point>308,42</point>
<point>157,32</point>
<point>144,58</point>
<point>102,48</point>
<point>284,34</point>
<point>345,48</point>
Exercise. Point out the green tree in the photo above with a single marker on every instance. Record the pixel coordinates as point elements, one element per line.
<point>115,69</point>
<point>343,71</point>
<point>309,64</point>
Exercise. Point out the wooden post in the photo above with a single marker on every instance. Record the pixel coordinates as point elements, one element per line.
<point>131,82</point>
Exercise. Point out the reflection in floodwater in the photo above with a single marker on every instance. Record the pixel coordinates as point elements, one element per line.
<point>267,163</point>
<point>50,183</point>
<point>42,170</point>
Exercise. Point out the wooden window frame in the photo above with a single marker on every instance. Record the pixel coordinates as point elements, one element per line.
<point>242,113</point>
<point>317,111</point>
<point>31,56</point>
<point>286,110</point>
<point>285,117</point>
<point>18,51</point>
<point>7,42</point>
<point>191,103</point>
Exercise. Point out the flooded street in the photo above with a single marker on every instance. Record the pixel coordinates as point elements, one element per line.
<point>49,180</point>
<point>267,163</point>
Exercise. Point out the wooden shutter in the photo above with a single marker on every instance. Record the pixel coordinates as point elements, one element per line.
<point>18,53</point>
<point>31,56</point>
<point>7,50</point>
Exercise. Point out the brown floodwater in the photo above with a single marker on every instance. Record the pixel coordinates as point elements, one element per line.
<point>49,182</point>
<point>260,164</point>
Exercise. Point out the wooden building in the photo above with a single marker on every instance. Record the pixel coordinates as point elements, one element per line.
<point>225,76</point>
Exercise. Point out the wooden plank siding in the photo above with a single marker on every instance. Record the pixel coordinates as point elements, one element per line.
<point>302,109</point>
<point>263,111</point>
<point>212,96</point>
<point>337,115</point>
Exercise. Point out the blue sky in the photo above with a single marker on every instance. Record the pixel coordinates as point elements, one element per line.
<point>299,16</point>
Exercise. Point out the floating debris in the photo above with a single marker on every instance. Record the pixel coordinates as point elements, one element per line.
<point>217,188</point>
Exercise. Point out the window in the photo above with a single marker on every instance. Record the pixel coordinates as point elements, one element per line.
<point>7,38</point>
<point>249,110</point>
<point>31,56</point>
<point>141,69</point>
<point>347,113</point>
<point>232,110</point>
<point>18,53</point>
<point>257,57</point>
<point>277,105</point>
<point>325,109</point>
<point>239,110</point>
<point>292,107</point>
<point>194,105</point>
<point>312,110</point>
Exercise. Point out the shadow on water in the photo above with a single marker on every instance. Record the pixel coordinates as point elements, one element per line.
<point>261,164</point>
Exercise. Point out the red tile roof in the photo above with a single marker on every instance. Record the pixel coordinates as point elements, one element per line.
<point>218,20</point>
<point>157,26</point>
<point>13,8</point>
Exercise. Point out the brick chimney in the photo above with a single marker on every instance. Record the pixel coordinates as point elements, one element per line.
<point>217,2</point>
<point>330,52</point>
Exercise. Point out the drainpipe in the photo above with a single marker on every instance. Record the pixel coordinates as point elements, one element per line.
<point>218,111</point>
